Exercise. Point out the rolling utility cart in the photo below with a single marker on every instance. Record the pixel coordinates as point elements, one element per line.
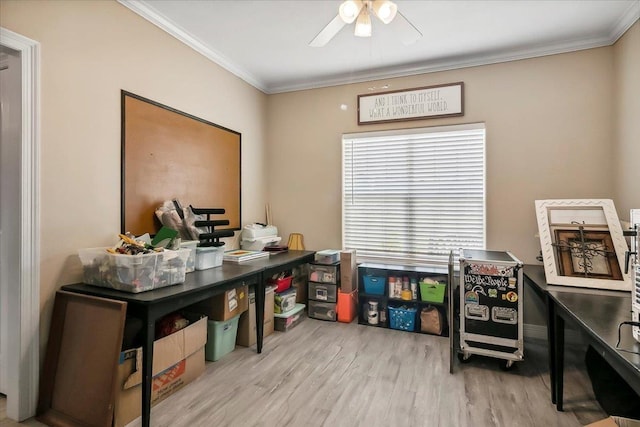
<point>491,306</point>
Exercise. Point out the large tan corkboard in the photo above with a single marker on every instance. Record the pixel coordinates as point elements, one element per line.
<point>168,154</point>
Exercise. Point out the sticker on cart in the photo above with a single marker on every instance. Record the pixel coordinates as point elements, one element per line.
<point>479,290</point>
<point>471,297</point>
<point>512,282</point>
<point>510,296</point>
<point>485,281</point>
<point>476,312</point>
<point>491,270</point>
<point>493,293</point>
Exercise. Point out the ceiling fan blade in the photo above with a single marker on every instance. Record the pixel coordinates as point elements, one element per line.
<point>407,32</point>
<point>328,32</point>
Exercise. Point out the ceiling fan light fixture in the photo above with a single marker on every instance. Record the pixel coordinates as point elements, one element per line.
<point>360,11</point>
<point>363,24</point>
<point>385,10</point>
<point>349,10</point>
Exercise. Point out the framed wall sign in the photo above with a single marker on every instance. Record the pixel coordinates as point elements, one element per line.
<point>445,100</point>
<point>582,244</point>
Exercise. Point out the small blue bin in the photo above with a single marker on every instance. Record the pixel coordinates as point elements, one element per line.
<point>402,318</point>
<point>373,285</point>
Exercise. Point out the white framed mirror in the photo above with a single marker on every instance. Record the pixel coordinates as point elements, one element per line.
<point>582,243</point>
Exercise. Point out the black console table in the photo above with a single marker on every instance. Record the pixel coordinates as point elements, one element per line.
<point>199,285</point>
<point>597,313</point>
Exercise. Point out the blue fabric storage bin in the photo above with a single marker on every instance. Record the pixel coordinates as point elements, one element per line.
<point>374,285</point>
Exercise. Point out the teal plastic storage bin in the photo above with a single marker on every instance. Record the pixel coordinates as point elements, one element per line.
<point>374,285</point>
<point>403,318</point>
<point>221,338</point>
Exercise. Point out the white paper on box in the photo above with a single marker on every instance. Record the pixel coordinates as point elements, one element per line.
<point>232,300</point>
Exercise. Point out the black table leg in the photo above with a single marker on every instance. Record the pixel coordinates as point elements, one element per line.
<point>147,369</point>
<point>551,337</point>
<point>260,297</point>
<point>559,359</point>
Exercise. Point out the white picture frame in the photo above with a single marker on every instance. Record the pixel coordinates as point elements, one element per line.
<point>581,216</point>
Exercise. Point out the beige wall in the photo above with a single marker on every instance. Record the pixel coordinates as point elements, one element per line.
<point>549,126</point>
<point>90,51</point>
<point>627,121</point>
<point>549,135</point>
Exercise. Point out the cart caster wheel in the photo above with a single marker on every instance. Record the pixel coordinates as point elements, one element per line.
<point>506,366</point>
<point>464,358</point>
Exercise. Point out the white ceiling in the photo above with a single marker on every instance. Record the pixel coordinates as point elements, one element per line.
<point>266,42</point>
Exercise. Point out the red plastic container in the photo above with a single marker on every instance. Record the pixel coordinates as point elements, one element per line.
<point>347,306</point>
<point>281,284</point>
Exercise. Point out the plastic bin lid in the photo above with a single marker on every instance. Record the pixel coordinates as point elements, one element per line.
<point>210,249</point>
<point>298,308</point>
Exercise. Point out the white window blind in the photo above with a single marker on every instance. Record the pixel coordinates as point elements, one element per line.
<point>412,196</point>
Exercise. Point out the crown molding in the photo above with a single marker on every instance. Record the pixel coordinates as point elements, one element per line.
<point>631,15</point>
<point>176,31</point>
<point>624,23</point>
<point>445,65</point>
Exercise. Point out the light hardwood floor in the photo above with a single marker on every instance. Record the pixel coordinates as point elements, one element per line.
<point>335,374</point>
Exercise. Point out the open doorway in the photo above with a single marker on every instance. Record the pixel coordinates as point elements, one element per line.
<point>10,108</point>
<point>19,224</point>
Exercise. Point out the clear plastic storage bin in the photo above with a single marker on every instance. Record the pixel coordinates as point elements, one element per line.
<point>191,260</point>
<point>324,273</point>
<point>133,273</point>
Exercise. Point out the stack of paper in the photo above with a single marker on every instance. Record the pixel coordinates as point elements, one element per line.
<point>240,255</point>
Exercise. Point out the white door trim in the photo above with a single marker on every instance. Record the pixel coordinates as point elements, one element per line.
<point>23,355</point>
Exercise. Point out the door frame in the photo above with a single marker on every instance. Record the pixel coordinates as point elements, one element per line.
<point>23,356</point>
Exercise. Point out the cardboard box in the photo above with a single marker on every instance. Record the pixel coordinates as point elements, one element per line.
<point>615,422</point>
<point>300,271</point>
<point>224,306</point>
<point>247,324</point>
<point>348,271</point>
<point>300,285</point>
<point>178,359</point>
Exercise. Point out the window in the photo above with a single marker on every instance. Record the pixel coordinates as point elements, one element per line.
<point>411,196</point>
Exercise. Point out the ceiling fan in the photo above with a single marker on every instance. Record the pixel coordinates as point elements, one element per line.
<point>360,11</point>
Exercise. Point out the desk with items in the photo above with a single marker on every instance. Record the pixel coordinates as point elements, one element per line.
<point>152,305</point>
<point>599,314</point>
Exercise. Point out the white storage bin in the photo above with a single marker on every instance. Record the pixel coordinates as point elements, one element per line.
<point>256,231</point>
<point>209,257</point>
<point>259,243</point>
<point>191,260</point>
